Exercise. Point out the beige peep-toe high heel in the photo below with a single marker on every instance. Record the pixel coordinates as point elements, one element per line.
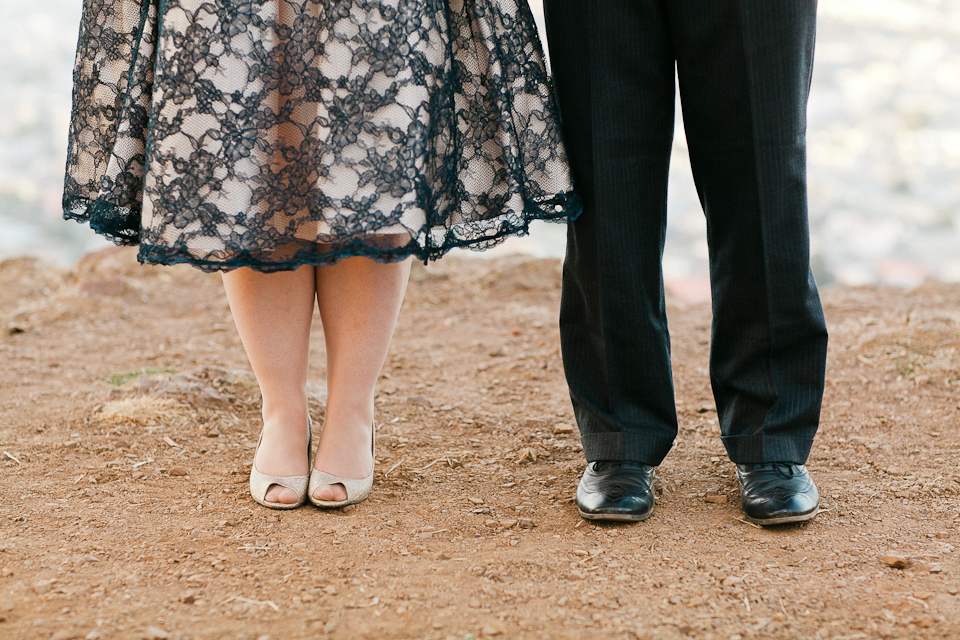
<point>260,483</point>
<point>357,490</point>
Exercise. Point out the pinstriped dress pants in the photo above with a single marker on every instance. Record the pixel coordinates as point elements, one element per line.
<point>744,70</point>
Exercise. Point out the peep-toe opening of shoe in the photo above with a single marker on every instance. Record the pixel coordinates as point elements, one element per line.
<point>261,483</point>
<point>357,489</point>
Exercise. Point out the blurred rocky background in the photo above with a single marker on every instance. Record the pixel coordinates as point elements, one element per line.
<point>884,147</point>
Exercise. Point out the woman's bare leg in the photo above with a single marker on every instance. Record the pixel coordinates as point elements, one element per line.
<point>273,312</point>
<point>359,303</point>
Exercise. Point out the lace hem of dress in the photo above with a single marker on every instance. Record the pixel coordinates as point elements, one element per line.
<point>120,225</point>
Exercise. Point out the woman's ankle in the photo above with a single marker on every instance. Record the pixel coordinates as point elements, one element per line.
<point>289,414</point>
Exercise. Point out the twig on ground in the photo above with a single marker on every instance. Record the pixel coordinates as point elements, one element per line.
<point>399,462</point>
<point>12,457</point>
<point>755,526</point>
<point>268,603</point>
<point>372,603</point>
<point>440,459</point>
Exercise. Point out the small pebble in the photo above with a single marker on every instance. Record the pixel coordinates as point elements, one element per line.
<point>924,622</point>
<point>895,561</point>
<point>43,586</point>
<point>155,633</point>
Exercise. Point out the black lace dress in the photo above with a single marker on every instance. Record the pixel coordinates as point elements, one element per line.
<point>276,133</point>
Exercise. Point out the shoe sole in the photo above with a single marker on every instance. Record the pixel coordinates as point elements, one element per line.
<point>279,505</point>
<point>786,519</point>
<point>333,504</point>
<point>616,517</point>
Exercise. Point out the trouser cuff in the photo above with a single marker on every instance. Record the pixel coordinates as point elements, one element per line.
<point>760,449</point>
<point>602,443</point>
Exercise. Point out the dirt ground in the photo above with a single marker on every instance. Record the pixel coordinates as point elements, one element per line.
<point>128,419</point>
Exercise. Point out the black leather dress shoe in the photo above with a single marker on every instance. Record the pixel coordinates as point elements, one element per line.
<point>614,490</point>
<point>777,493</point>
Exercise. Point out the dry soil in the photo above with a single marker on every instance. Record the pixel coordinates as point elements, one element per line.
<point>128,419</point>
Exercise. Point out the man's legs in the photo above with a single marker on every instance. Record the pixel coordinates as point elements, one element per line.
<point>614,72</point>
<point>744,69</point>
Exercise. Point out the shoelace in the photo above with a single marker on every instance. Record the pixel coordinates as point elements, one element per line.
<point>785,470</point>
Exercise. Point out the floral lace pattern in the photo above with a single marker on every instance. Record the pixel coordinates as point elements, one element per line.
<point>275,133</point>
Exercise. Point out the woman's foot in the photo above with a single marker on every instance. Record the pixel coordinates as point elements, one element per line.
<point>345,452</point>
<point>282,453</point>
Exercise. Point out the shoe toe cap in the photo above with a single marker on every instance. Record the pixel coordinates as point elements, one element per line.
<point>602,503</point>
<point>797,504</point>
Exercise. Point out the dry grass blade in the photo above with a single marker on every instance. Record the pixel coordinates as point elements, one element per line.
<point>388,471</point>
<point>755,526</point>
<point>440,459</point>
<point>268,603</point>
